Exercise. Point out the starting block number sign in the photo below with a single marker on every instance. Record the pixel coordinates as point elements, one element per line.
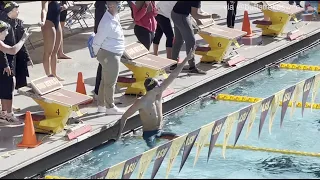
<point>135,50</point>
<point>46,85</point>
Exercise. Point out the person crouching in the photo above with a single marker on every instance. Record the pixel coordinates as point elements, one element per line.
<point>108,45</point>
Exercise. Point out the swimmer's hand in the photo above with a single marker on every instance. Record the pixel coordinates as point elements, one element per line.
<point>7,70</point>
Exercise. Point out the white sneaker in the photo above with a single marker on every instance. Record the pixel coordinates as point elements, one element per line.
<point>9,118</point>
<point>102,109</point>
<point>114,111</point>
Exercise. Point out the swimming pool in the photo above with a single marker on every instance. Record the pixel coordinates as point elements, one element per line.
<point>297,134</point>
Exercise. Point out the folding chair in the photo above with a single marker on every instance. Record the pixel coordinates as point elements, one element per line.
<point>76,12</point>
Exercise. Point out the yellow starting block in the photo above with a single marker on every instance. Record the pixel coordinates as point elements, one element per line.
<point>57,104</point>
<point>227,97</point>
<point>143,65</point>
<point>299,67</point>
<point>279,12</point>
<point>219,39</point>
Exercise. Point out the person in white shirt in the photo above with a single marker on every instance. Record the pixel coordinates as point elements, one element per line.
<point>164,26</point>
<point>108,45</point>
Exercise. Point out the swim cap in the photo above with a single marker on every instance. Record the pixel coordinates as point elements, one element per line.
<point>3,26</point>
<point>151,83</point>
<point>9,6</point>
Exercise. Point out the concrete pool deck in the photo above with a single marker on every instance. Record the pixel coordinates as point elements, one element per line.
<point>56,149</point>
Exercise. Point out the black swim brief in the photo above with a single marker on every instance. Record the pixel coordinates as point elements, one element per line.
<point>151,136</point>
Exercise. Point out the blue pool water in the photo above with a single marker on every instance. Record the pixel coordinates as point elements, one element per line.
<point>297,134</point>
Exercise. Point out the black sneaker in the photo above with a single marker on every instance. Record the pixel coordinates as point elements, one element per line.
<point>195,70</point>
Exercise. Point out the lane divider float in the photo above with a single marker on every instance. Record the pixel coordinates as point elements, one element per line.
<point>299,67</point>
<point>248,99</point>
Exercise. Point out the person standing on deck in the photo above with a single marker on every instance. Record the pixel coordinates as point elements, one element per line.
<point>164,26</point>
<point>9,12</point>
<point>183,30</point>
<point>63,17</point>
<point>7,75</point>
<point>100,9</point>
<point>144,13</point>
<point>108,45</point>
<point>150,107</point>
<point>232,12</point>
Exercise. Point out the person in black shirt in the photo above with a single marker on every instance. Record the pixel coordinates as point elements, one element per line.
<point>100,9</point>
<point>183,30</point>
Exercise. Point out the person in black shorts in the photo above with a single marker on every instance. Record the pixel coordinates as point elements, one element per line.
<point>7,79</point>
<point>100,9</point>
<point>63,17</point>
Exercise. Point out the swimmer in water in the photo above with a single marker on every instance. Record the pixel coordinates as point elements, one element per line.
<point>150,107</point>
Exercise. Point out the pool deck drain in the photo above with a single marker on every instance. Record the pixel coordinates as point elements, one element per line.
<point>56,149</point>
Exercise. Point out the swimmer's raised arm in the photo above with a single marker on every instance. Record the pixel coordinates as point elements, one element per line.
<point>134,108</point>
<point>174,74</point>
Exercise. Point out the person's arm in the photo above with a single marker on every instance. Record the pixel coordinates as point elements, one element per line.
<point>159,107</point>
<point>134,108</point>
<point>44,10</point>
<point>196,13</point>
<point>164,85</point>
<point>139,13</point>
<point>12,50</point>
<point>103,32</point>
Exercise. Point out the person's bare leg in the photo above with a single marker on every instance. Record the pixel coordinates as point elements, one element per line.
<point>49,40</point>
<point>61,54</point>
<point>55,53</point>
<point>169,52</point>
<point>156,49</point>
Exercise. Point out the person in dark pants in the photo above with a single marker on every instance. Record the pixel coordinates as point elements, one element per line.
<point>164,26</point>
<point>100,9</point>
<point>297,3</point>
<point>232,12</point>
<point>183,30</point>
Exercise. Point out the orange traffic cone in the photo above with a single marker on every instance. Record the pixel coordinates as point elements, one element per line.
<point>29,139</point>
<point>81,88</point>
<point>246,27</point>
